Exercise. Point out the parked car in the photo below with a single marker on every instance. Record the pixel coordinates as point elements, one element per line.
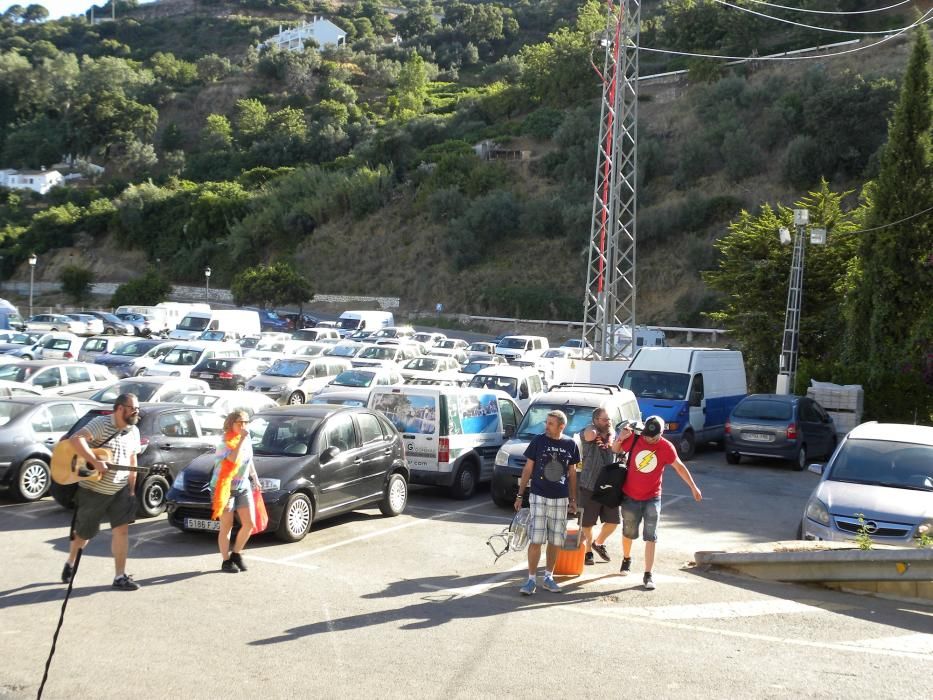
<point>143,324</point>
<point>316,334</point>
<point>121,360</point>
<point>98,346</point>
<point>345,349</point>
<point>55,322</point>
<point>113,324</point>
<point>171,436</point>
<point>18,341</point>
<point>149,389</point>
<point>183,357</point>
<point>521,383</point>
<point>360,382</point>
<point>92,324</point>
<point>228,372</point>
<point>429,340</point>
<point>29,428</point>
<point>313,462</point>
<point>312,349</point>
<point>57,346</point>
<point>777,426</point>
<point>224,401</point>
<point>248,342</point>
<point>12,389</point>
<point>292,380</point>
<point>384,355</point>
<point>880,481</point>
<point>271,321</point>
<point>483,347</point>
<point>57,377</point>
<point>453,344</point>
<point>430,367</point>
<point>352,397</point>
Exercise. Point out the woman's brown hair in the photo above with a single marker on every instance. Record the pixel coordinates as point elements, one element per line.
<point>232,418</point>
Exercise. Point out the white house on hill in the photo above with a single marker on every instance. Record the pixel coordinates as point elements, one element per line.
<point>320,30</point>
<point>40,181</point>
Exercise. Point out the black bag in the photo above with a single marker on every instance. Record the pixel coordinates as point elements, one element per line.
<point>608,488</point>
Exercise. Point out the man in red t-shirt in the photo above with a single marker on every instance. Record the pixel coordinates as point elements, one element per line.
<point>648,454</point>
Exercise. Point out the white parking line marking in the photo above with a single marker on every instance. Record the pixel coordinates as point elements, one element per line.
<point>478,588</point>
<point>284,562</point>
<point>379,533</point>
<point>912,643</point>
<point>497,518</point>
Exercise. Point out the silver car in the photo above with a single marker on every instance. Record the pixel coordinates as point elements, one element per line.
<point>879,482</point>
<point>55,322</point>
<point>292,380</point>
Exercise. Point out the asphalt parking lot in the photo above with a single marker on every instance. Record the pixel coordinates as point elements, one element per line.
<point>414,606</point>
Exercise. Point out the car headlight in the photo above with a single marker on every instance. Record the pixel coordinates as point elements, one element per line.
<point>502,458</point>
<point>817,511</point>
<point>176,374</point>
<point>925,528</point>
<point>270,484</point>
<point>179,482</point>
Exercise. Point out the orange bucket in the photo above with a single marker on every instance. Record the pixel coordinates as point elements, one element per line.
<point>571,555</point>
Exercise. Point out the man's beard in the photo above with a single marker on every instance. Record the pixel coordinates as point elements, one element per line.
<point>132,420</point>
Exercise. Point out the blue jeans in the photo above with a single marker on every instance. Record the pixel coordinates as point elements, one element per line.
<point>634,512</point>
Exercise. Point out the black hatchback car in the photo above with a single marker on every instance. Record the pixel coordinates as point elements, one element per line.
<point>793,428</point>
<point>171,435</point>
<point>230,373</point>
<point>313,462</point>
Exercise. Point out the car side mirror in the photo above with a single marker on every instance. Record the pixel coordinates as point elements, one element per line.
<point>816,469</point>
<point>329,454</point>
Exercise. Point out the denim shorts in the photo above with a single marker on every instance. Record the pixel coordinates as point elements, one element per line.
<point>634,512</point>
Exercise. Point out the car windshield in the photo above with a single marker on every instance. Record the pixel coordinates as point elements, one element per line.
<point>271,346</point>
<point>424,364</point>
<point>474,367</point>
<point>385,333</point>
<point>180,356</point>
<point>342,351</point>
<point>884,463</point>
<point>143,390</point>
<point>578,417</point>
<point>132,349</point>
<point>280,435</point>
<point>15,373</point>
<point>249,342</point>
<point>354,378</point>
<point>9,410</point>
<point>554,352</point>
<point>212,335</point>
<point>110,318</point>
<point>310,350</point>
<point>195,399</point>
<point>763,409</point>
<point>479,347</point>
<point>349,324</point>
<point>484,381</point>
<point>512,343</point>
<point>378,353</point>
<point>287,368</point>
<point>449,344</point>
<point>193,323</point>
<point>648,384</point>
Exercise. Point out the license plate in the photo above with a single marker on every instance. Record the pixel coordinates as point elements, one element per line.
<point>206,375</point>
<point>758,437</point>
<point>201,524</point>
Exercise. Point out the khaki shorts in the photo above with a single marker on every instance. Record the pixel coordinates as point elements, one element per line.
<point>91,507</point>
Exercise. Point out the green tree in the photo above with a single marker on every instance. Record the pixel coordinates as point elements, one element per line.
<point>419,20</point>
<point>211,68</point>
<point>35,14</point>
<point>251,120</point>
<point>217,133</point>
<point>147,290</point>
<point>271,285</point>
<point>76,282</point>
<point>752,277</point>
<point>412,86</point>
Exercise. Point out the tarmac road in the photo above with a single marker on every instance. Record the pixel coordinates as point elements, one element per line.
<point>415,607</point>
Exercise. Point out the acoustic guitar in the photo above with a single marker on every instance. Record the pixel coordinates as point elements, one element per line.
<point>68,467</point>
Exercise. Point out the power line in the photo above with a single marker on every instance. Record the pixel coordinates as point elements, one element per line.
<point>831,12</point>
<point>801,24</point>
<point>923,20</point>
<point>893,223</point>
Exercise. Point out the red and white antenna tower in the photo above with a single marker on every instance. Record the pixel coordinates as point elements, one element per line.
<point>609,306</point>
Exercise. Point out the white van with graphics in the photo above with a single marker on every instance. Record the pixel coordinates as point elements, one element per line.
<point>451,434</point>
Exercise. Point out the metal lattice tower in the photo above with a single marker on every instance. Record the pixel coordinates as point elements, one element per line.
<point>609,306</point>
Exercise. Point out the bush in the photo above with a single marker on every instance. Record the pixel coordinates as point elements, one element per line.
<point>76,282</point>
<point>542,218</point>
<point>446,204</point>
<point>542,123</point>
<point>490,219</point>
<point>147,290</point>
<point>799,169</point>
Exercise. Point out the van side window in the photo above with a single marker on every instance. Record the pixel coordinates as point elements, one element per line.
<point>509,419</point>
<point>696,391</point>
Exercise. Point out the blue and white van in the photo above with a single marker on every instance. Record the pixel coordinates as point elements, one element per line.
<point>693,389</point>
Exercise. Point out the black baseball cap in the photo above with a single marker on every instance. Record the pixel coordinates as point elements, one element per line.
<point>654,426</point>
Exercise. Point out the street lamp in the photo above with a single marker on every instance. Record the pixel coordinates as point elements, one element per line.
<point>207,283</point>
<point>32,275</point>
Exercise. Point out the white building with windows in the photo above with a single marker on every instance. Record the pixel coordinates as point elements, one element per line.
<point>320,30</point>
<point>40,181</point>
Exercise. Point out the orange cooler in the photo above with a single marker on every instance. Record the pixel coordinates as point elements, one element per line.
<point>571,555</point>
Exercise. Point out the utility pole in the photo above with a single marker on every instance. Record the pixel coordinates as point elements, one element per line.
<point>787,367</point>
<point>609,304</point>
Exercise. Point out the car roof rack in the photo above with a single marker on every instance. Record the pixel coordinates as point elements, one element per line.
<point>586,386</point>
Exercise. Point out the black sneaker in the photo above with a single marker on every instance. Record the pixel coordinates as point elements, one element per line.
<point>648,581</point>
<point>588,559</point>
<point>238,561</point>
<point>601,550</point>
<point>229,567</point>
<point>626,566</point>
<point>67,572</point>
<point>125,583</point>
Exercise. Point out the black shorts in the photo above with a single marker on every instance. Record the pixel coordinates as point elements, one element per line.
<point>593,510</point>
<point>91,507</point>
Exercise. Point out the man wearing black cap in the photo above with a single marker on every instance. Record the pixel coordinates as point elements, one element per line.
<point>648,454</point>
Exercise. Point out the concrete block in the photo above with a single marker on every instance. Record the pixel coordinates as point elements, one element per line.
<point>900,589</point>
<point>925,590</point>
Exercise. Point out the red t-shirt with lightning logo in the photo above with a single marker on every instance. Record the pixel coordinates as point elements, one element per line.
<point>646,467</point>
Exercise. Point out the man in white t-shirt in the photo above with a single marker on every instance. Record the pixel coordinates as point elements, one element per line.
<point>114,495</point>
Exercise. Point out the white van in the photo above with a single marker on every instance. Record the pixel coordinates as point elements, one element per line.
<point>238,323</point>
<point>693,389</point>
<point>521,383</point>
<point>181,359</point>
<point>352,321</point>
<point>166,314</point>
<point>317,334</point>
<point>514,347</point>
<point>451,434</point>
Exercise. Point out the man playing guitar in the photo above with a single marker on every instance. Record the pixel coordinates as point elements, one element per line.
<point>114,494</point>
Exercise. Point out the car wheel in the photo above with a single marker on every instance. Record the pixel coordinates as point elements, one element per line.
<point>800,461</point>
<point>295,398</point>
<point>502,501</point>
<point>464,485</point>
<point>152,496</point>
<point>53,330</point>
<point>395,497</point>
<point>240,387</point>
<point>32,481</point>
<point>26,356</point>
<point>733,457</point>
<point>686,446</point>
<point>139,372</point>
<point>296,518</point>
<point>109,331</point>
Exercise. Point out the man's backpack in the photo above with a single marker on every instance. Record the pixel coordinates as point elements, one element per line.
<point>608,488</point>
